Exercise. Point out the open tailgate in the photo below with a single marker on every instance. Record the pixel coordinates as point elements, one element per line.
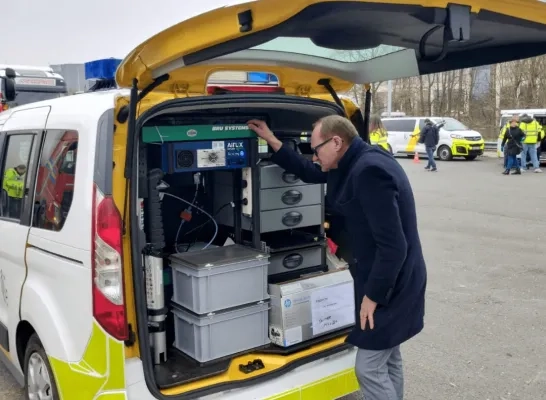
<point>357,41</point>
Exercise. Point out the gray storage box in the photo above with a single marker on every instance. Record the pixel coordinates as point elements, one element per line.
<point>207,338</point>
<point>215,279</point>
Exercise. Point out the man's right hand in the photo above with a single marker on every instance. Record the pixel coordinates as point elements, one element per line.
<point>262,130</point>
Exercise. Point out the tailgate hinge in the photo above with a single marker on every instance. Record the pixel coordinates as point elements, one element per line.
<point>181,89</point>
<point>303,90</point>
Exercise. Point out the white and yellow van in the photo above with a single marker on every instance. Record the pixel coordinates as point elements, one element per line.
<point>456,139</point>
<point>74,318</point>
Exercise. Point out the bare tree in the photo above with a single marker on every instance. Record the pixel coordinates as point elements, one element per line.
<point>474,96</point>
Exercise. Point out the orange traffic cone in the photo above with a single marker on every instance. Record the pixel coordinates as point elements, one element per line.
<point>416,158</point>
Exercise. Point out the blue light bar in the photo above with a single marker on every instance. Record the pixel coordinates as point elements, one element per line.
<point>262,77</point>
<point>101,69</point>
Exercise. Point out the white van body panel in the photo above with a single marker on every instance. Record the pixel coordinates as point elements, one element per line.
<point>13,234</point>
<point>56,301</point>
<point>27,118</point>
<point>56,298</point>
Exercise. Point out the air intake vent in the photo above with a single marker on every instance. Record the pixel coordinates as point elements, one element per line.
<point>184,158</point>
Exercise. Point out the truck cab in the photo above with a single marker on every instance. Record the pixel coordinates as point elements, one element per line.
<point>32,84</point>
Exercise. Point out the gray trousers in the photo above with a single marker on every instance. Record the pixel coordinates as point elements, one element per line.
<point>380,374</point>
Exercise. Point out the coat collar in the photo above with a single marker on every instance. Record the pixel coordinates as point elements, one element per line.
<point>352,153</point>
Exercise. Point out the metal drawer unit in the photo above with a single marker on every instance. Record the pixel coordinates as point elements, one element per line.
<point>291,218</point>
<point>273,176</point>
<point>286,202</point>
<point>293,196</point>
<point>278,201</point>
<point>293,260</point>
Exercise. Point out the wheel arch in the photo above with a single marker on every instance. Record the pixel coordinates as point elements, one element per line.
<point>22,335</point>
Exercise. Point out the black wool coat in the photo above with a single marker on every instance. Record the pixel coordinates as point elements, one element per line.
<point>373,195</point>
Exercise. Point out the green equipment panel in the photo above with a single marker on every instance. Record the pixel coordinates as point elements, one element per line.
<point>179,133</point>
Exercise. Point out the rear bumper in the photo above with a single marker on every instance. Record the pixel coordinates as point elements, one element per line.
<point>326,379</point>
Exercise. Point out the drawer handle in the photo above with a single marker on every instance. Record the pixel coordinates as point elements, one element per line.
<point>291,197</point>
<point>292,261</point>
<point>292,218</point>
<point>289,178</point>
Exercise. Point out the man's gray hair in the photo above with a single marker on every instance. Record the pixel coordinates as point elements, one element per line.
<point>333,125</point>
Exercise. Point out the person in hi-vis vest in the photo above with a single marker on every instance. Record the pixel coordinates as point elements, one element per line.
<point>533,132</point>
<point>378,133</point>
<point>14,186</point>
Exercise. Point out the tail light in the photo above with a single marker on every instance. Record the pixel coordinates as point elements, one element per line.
<point>107,261</point>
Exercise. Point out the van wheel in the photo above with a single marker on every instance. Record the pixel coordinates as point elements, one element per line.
<point>444,153</point>
<point>39,379</point>
<point>470,158</point>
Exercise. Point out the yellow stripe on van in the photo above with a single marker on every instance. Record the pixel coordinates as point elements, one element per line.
<point>331,387</point>
<point>6,353</point>
<point>412,142</point>
<point>101,370</point>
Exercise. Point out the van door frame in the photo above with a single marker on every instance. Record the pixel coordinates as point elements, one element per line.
<point>24,223</point>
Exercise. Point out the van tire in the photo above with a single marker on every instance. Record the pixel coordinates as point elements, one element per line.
<point>444,153</point>
<point>470,158</point>
<point>36,352</point>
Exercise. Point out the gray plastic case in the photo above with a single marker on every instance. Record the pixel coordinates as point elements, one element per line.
<point>206,338</point>
<point>216,279</point>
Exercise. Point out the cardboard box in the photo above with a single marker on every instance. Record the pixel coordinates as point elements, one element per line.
<point>309,307</point>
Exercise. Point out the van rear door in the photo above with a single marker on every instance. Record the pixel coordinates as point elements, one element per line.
<point>357,41</point>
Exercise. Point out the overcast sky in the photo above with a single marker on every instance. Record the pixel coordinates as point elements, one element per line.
<point>36,32</point>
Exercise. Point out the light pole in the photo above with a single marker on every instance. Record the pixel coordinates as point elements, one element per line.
<point>389,98</point>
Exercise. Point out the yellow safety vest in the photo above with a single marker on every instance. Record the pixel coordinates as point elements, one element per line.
<point>13,183</point>
<point>503,130</point>
<point>532,130</point>
<point>379,138</point>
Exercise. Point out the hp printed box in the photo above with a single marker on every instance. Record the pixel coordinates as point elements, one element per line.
<point>306,308</point>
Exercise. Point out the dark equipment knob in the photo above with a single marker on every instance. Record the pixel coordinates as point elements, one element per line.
<point>291,197</point>
<point>289,178</point>
<point>292,218</point>
<point>292,261</point>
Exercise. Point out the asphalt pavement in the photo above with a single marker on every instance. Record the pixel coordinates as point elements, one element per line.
<point>484,237</point>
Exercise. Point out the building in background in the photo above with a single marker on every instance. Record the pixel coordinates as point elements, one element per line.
<point>74,76</point>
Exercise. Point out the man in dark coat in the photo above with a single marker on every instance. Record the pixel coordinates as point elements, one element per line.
<point>369,188</point>
<point>430,137</point>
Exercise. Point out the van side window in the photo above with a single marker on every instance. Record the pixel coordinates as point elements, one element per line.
<point>15,167</point>
<point>399,125</point>
<point>55,179</point>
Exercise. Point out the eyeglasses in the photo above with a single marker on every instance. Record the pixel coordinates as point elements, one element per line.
<point>315,150</point>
